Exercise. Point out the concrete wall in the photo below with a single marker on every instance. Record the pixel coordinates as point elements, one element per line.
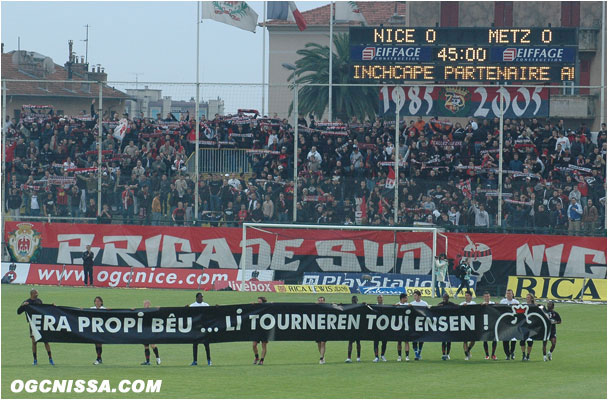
<point>591,14</point>
<point>541,13</point>
<point>424,13</point>
<point>475,13</point>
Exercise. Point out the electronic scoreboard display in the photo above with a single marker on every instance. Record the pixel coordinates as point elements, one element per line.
<point>396,55</point>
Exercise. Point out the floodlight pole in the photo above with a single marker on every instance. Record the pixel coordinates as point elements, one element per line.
<point>500,145</point>
<point>99,135</point>
<point>331,57</point>
<point>196,111</point>
<point>396,154</point>
<point>295,154</point>
<point>4,133</point>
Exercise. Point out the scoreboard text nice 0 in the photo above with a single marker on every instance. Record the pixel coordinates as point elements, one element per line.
<point>397,55</point>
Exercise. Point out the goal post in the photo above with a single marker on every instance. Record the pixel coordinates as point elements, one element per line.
<point>268,235</point>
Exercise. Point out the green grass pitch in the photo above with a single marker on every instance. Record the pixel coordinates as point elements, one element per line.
<point>292,369</point>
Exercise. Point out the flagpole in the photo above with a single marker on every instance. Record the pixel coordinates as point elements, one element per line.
<point>264,63</point>
<point>396,154</point>
<point>331,55</point>
<point>196,109</point>
<point>500,144</point>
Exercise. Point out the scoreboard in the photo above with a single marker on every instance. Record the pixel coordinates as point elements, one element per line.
<point>398,55</point>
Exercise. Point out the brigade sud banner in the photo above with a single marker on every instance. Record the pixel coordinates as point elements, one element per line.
<point>480,102</point>
<point>292,252</point>
<point>286,322</point>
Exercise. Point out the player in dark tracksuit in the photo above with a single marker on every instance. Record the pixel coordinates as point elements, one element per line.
<point>446,346</point>
<point>35,300</point>
<point>555,320</point>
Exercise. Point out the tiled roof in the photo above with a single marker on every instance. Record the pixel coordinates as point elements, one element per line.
<point>49,89</point>
<point>375,13</point>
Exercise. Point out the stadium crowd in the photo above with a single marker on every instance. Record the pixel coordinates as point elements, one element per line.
<point>554,178</point>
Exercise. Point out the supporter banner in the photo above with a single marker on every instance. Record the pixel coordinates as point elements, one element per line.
<point>286,322</point>
<point>559,288</point>
<point>482,102</point>
<point>15,272</point>
<point>291,252</point>
<point>311,289</point>
<point>355,281</point>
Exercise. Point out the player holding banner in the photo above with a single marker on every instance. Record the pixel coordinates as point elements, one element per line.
<point>147,304</point>
<point>486,301</point>
<point>35,300</point>
<point>509,346</point>
<point>555,320</point>
<point>200,303</point>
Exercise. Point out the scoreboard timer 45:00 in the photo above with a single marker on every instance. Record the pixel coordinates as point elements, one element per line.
<point>380,54</point>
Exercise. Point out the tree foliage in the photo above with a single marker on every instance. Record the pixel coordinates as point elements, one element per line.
<point>313,68</point>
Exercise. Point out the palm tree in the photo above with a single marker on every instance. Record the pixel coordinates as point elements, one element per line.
<point>313,67</point>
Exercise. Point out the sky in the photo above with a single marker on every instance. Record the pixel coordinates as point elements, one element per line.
<point>148,41</point>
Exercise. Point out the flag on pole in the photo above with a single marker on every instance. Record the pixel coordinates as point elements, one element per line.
<point>235,13</point>
<point>465,188</point>
<point>390,179</point>
<point>349,11</point>
<point>121,130</point>
<point>286,10</point>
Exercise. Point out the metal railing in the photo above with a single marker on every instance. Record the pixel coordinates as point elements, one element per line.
<point>213,219</point>
<point>223,161</point>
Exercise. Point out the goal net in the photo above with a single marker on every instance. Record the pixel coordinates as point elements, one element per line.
<point>291,250</point>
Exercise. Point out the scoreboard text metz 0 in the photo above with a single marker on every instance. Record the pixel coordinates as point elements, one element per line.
<point>398,55</point>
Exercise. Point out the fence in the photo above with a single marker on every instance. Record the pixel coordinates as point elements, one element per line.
<point>222,161</point>
<point>244,143</point>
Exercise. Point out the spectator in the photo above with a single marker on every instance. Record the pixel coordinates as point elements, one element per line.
<point>268,208</point>
<point>91,211</point>
<point>590,217</point>
<point>14,204</point>
<point>179,214</point>
<point>156,209</point>
<point>128,205</point>
<point>257,215</point>
<point>542,219</point>
<point>559,218</point>
<point>482,218</point>
<point>575,214</point>
<point>106,215</point>
<point>243,214</point>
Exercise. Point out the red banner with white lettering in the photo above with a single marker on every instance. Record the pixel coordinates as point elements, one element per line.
<point>290,252</point>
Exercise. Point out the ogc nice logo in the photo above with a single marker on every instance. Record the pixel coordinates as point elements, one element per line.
<point>24,243</point>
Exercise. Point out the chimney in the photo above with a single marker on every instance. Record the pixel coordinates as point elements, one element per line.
<point>68,64</point>
<point>2,48</point>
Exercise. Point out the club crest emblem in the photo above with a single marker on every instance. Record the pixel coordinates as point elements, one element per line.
<point>24,243</point>
<point>456,99</point>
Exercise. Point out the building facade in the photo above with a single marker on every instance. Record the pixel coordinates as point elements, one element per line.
<point>151,102</point>
<point>34,79</point>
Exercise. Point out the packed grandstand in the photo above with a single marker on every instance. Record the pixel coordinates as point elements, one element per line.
<point>554,176</point>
